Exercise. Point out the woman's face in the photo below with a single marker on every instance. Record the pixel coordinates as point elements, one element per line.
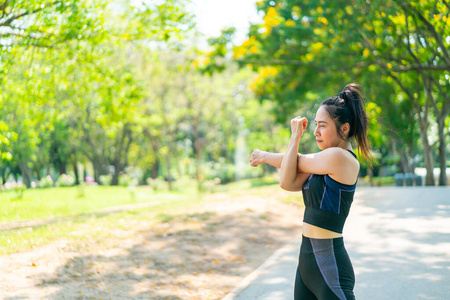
<point>325,132</point>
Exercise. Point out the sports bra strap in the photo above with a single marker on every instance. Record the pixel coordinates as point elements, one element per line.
<point>352,153</point>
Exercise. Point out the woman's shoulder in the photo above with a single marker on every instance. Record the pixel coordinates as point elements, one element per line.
<point>337,153</point>
<point>346,165</point>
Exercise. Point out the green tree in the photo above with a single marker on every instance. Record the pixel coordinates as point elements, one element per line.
<point>319,46</point>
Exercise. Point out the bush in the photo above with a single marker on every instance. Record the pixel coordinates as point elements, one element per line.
<point>17,187</point>
<point>228,172</point>
<point>225,172</point>
<point>157,184</point>
<point>65,180</point>
<point>46,182</point>
<point>127,180</point>
<point>90,181</point>
<point>210,185</point>
<point>105,180</point>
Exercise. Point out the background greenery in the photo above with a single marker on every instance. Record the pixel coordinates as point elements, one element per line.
<point>116,92</point>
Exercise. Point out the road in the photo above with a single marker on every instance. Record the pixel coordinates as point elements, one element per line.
<point>398,239</point>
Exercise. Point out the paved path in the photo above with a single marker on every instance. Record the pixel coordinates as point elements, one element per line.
<point>398,239</point>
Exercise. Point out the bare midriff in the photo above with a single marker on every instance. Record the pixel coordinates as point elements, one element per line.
<point>315,232</point>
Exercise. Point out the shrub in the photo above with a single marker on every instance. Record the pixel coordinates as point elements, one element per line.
<point>90,181</point>
<point>105,180</point>
<point>18,187</point>
<point>46,182</point>
<point>228,172</point>
<point>210,185</point>
<point>125,180</point>
<point>65,180</point>
<point>157,184</point>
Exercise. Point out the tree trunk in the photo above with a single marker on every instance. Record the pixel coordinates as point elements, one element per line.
<point>115,178</point>
<point>442,154</point>
<point>169,174</point>
<point>120,160</point>
<point>155,169</point>
<point>26,174</point>
<point>370,173</point>
<point>96,176</point>
<point>405,160</point>
<point>197,150</point>
<point>75,170</point>
<point>62,169</point>
<point>428,156</point>
<point>4,175</point>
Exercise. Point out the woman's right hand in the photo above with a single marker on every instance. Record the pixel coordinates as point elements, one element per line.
<point>257,158</point>
<point>298,126</point>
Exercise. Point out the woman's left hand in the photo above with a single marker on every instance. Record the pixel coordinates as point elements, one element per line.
<point>298,126</point>
<point>257,158</point>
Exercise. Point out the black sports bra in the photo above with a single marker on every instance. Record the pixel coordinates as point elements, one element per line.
<point>327,201</point>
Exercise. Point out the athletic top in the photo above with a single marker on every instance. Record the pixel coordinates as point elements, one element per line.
<point>327,202</point>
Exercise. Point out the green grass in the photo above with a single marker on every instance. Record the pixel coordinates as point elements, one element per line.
<point>71,201</point>
<point>12,241</point>
<point>377,181</point>
<point>66,202</point>
<point>248,185</point>
<point>385,181</point>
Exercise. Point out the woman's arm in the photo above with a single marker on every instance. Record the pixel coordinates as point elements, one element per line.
<point>338,163</point>
<point>290,179</point>
<point>275,159</point>
<point>262,157</point>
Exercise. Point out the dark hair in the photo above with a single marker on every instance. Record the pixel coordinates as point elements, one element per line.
<point>348,107</point>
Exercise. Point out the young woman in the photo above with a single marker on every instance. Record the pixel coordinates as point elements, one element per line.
<point>327,180</point>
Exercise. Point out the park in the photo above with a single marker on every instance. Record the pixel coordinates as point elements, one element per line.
<point>126,130</point>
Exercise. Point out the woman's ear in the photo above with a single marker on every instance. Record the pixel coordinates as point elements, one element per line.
<point>345,129</point>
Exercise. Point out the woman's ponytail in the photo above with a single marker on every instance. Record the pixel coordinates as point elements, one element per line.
<point>359,125</point>
<point>349,108</point>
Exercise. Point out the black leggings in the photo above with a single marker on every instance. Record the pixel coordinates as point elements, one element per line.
<point>324,271</point>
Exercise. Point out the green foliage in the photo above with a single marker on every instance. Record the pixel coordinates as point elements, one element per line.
<point>105,180</point>
<point>46,182</point>
<point>396,50</point>
<point>65,180</point>
<point>116,88</point>
<point>156,184</point>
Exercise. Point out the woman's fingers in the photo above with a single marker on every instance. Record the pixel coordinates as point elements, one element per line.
<point>298,124</point>
<point>256,158</point>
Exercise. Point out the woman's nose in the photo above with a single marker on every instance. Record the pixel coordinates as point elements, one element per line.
<point>316,132</point>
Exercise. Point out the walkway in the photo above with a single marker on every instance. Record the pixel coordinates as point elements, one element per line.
<point>398,239</point>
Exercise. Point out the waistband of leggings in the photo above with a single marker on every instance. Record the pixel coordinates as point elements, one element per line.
<point>320,244</point>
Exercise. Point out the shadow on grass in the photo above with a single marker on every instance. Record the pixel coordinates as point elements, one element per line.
<point>194,256</point>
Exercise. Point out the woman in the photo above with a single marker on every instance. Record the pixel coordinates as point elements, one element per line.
<point>328,181</point>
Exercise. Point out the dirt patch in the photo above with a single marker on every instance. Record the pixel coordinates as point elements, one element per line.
<point>202,253</point>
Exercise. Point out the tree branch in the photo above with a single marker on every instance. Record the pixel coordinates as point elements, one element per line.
<point>420,67</point>
<point>8,22</point>
<point>420,34</point>
<point>3,7</point>
<point>286,62</point>
<point>431,29</point>
<point>446,106</point>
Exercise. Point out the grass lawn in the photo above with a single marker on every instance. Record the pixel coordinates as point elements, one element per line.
<point>70,201</point>
<point>65,202</point>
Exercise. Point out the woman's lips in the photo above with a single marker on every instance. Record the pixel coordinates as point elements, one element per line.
<point>319,141</point>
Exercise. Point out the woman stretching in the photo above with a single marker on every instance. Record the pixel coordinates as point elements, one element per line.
<point>327,180</point>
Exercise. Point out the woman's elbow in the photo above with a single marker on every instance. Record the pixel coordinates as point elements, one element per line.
<point>288,187</point>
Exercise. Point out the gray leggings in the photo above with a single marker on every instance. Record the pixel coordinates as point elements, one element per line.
<point>324,271</point>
